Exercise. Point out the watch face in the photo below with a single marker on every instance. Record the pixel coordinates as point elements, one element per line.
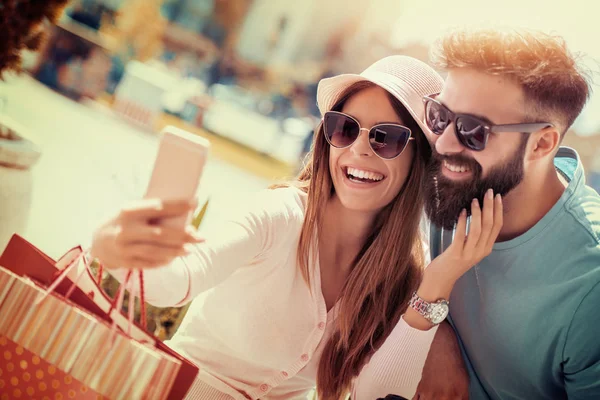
<point>439,312</point>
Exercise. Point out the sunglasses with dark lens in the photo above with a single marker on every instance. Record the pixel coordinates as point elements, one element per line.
<point>388,141</point>
<point>471,131</point>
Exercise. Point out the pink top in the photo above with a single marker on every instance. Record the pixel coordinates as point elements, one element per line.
<point>255,328</point>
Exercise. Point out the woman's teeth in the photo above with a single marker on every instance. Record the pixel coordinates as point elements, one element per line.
<point>362,176</point>
<point>456,168</point>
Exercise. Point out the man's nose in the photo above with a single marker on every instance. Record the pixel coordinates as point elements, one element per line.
<point>447,142</point>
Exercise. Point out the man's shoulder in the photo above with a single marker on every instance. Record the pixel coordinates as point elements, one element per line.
<point>573,253</point>
<point>584,208</point>
<point>577,233</point>
<point>583,203</point>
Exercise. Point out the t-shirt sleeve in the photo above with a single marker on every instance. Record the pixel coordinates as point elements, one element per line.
<point>581,359</point>
<point>242,240</point>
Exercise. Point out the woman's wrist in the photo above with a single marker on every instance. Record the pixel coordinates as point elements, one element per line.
<point>437,284</point>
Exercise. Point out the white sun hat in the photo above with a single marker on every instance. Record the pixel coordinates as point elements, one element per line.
<point>405,78</point>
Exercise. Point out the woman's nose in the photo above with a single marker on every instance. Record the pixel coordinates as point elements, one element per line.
<point>361,146</point>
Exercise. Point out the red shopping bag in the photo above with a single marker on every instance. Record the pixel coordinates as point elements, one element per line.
<point>74,343</point>
<point>24,259</point>
<point>24,375</point>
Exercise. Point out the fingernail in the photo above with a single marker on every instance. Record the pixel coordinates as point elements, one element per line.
<point>490,193</point>
<point>498,196</point>
<point>475,202</point>
<point>463,212</point>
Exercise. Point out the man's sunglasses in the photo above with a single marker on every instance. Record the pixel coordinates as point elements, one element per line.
<point>471,131</point>
<point>388,141</point>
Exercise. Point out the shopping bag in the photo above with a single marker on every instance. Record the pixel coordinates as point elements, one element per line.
<point>77,343</point>
<point>24,259</point>
<point>24,375</point>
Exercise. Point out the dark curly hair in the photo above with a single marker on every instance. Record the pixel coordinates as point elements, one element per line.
<point>20,28</point>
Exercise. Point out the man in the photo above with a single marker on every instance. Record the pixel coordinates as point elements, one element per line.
<point>528,315</point>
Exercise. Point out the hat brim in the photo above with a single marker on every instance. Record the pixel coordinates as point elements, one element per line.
<point>329,91</point>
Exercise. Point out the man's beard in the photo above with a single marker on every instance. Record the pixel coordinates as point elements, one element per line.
<point>445,198</point>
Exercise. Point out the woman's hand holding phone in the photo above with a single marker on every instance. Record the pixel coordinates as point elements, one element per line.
<point>135,238</point>
<point>153,232</point>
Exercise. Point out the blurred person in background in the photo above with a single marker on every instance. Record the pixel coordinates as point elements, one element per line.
<point>310,283</point>
<point>138,28</point>
<point>526,315</point>
<point>21,24</point>
<point>91,13</point>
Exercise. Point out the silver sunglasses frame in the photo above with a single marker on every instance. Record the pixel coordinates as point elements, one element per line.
<point>410,137</point>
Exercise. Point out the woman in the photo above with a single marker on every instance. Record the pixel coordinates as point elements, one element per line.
<point>312,278</point>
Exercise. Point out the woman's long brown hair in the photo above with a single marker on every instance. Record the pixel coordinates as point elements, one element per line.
<point>386,270</point>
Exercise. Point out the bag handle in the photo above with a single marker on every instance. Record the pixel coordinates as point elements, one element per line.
<point>116,302</point>
<point>98,281</point>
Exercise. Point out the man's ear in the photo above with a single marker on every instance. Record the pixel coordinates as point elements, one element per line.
<point>542,144</point>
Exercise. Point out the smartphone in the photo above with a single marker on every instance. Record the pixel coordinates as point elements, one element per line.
<point>178,169</point>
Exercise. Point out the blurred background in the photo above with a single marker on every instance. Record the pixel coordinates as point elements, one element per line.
<point>85,117</point>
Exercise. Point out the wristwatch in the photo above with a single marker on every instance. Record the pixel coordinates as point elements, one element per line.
<point>435,312</point>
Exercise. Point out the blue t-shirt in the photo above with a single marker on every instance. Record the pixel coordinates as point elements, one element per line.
<point>528,315</point>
